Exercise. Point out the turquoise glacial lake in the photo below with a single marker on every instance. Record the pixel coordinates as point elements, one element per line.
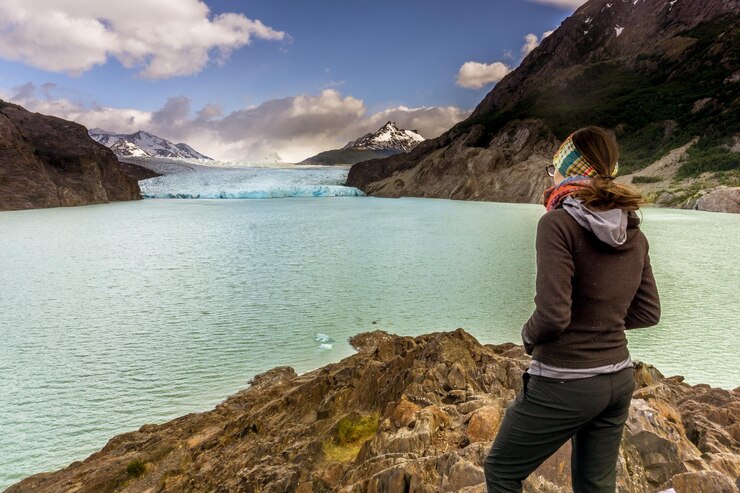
<point>117,315</point>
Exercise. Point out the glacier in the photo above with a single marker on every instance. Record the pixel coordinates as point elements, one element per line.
<point>250,182</point>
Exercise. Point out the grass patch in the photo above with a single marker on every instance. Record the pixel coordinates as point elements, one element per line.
<point>135,468</point>
<point>646,179</point>
<point>349,436</point>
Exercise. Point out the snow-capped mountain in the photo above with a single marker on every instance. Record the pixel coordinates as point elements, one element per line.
<point>388,137</point>
<point>144,144</point>
<point>387,141</point>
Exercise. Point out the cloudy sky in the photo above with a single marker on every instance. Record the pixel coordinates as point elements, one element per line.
<point>242,80</point>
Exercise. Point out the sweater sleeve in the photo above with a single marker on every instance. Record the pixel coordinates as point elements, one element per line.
<point>554,285</point>
<point>644,310</point>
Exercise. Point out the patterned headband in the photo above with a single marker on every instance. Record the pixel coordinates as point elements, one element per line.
<point>570,162</point>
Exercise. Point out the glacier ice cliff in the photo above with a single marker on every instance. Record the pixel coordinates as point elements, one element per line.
<point>250,183</point>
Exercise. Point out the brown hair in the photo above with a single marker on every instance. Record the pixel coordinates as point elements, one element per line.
<point>599,148</point>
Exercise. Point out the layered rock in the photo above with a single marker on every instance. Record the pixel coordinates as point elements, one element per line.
<point>659,73</point>
<point>50,162</point>
<point>414,414</point>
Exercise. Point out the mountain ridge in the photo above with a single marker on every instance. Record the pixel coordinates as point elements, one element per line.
<point>388,140</point>
<point>144,144</point>
<point>658,73</point>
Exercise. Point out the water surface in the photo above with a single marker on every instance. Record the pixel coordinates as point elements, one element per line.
<point>117,315</point>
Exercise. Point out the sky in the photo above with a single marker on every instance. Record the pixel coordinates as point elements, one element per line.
<point>260,80</point>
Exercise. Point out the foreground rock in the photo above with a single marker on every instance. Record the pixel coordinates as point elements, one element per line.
<point>404,414</point>
<point>49,162</point>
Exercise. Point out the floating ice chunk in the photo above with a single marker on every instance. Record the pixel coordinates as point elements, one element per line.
<point>323,337</point>
<point>325,346</point>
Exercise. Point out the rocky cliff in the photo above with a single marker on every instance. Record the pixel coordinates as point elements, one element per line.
<point>49,162</point>
<point>660,73</point>
<point>404,414</point>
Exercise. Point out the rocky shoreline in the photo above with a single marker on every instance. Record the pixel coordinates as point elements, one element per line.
<point>403,414</point>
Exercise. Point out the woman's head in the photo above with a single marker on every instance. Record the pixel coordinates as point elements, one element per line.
<point>589,151</point>
<point>593,152</point>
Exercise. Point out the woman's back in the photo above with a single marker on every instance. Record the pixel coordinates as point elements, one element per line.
<point>588,292</point>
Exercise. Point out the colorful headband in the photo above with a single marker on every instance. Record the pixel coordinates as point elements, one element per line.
<point>570,162</point>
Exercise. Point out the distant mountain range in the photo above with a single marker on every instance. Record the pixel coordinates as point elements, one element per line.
<point>144,144</point>
<point>387,141</point>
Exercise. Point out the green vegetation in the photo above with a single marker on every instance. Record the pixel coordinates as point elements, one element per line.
<point>711,153</point>
<point>350,434</point>
<point>646,179</point>
<point>649,101</point>
<point>135,468</point>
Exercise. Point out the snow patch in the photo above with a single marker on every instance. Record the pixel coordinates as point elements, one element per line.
<point>618,30</point>
<point>150,145</point>
<point>389,136</point>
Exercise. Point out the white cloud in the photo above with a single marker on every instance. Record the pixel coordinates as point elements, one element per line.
<point>296,127</point>
<point>570,4</point>
<point>161,38</point>
<point>474,75</point>
<point>531,42</point>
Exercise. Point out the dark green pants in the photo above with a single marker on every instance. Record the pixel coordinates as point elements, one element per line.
<point>548,412</point>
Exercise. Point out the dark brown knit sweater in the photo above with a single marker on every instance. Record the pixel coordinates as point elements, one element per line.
<point>588,293</point>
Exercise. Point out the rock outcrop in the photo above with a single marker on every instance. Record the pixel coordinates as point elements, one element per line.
<point>721,199</point>
<point>404,414</point>
<point>659,73</point>
<point>50,162</point>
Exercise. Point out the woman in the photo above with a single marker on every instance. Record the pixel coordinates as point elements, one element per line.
<point>594,281</point>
